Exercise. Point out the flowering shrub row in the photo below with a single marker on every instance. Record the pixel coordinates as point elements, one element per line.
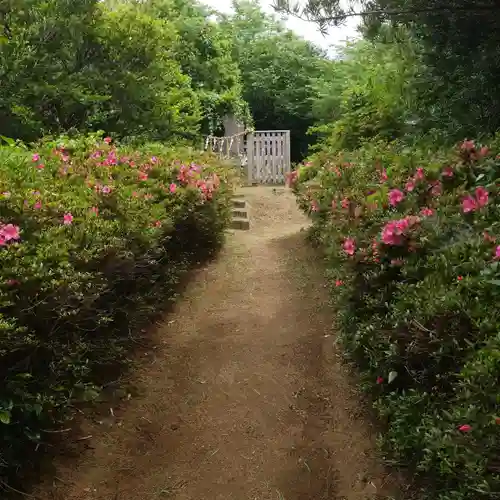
<point>93,238</point>
<point>412,242</point>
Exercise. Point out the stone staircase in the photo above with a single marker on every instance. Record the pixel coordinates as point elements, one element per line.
<point>240,214</point>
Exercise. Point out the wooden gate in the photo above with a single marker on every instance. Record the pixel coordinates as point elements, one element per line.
<point>268,156</point>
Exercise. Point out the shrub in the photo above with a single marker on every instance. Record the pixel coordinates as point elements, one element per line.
<point>93,237</point>
<point>411,240</point>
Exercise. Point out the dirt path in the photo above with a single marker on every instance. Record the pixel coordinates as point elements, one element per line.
<point>245,397</point>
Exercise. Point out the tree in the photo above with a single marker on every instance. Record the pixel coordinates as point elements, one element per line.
<point>277,69</point>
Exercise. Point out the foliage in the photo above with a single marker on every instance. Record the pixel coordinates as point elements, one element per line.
<point>93,239</point>
<point>411,239</point>
<point>277,69</point>
<point>370,92</point>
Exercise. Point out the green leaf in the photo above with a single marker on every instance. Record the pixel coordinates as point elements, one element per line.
<point>5,417</point>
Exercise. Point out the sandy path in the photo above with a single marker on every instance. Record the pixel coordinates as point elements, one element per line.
<point>244,397</point>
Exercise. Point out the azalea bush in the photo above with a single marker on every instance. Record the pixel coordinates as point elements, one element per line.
<point>412,243</point>
<point>93,239</point>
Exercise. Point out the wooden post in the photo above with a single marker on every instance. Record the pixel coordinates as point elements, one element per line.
<point>250,157</point>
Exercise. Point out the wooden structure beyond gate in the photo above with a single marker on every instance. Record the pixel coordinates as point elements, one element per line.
<point>268,156</point>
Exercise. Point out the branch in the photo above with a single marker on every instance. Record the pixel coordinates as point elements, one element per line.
<point>390,13</point>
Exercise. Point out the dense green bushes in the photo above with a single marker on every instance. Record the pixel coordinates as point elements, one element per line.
<point>412,242</point>
<point>93,238</point>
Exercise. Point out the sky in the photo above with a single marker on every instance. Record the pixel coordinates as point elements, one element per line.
<point>309,31</point>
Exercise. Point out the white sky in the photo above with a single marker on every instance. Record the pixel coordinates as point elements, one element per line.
<point>309,31</point>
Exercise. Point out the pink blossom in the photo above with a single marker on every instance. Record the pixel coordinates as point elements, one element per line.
<point>148,196</point>
<point>157,223</point>
<point>13,282</point>
<point>484,151</point>
<point>349,246</point>
<point>481,196</point>
<point>394,231</point>
<point>465,428</point>
<point>397,262</point>
<point>40,166</point>
<point>107,140</point>
<point>497,252</point>
<point>437,188</point>
<point>467,145</point>
<point>383,175</point>
<point>173,188</point>
<point>35,157</point>
<point>314,206</point>
<point>410,185</point>
<point>447,172</point>
<point>94,210</point>
<point>10,232</point>
<point>395,197</point>
<point>143,176</point>
<point>6,194</point>
<point>345,203</point>
<point>426,212</point>
<point>334,205</point>
<point>380,380</point>
<point>154,159</point>
<point>37,205</point>
<point>68,219</point>
<point>339,283</point>
<point>134,194</point>
<point>469,204</point>
<point>420,174</point>
<point>106,190</point>
<point>65,157</point>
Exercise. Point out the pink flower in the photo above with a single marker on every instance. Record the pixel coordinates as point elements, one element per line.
<point>40,166</point>
<point>35,157</point>
<point>420,174</point>
<point>394,231</point>
<point>380,380</point>
<point>94,210</point>
<point>460,278</point>
<point>68,219</point>
<point>143,176</point>
<point>497,252</point>
<point>106,190</point>
<point>134,194</point>
<point>339,283</point>
<point>468,204</point>
<point>6,194</point>
<point>157,223</point>
<point>107,140</point>
<point>447,172</point>
<point>314,206</point>
<point>467,145</point>
<point>13,282</point>
<point>345,203</point>
<point>10,232</point>
<point>349,246</point>
<point>481,196</point>
<point>334,204</point>
<point>395,197</point>
<point>484,151</point>
<point>383,175</point>
<point>410,185</point>
<point>465,428</point>
<point>37,205</point>
<point>154,159</point>
<point>148,196</point>
<point>173,188</point>
<point>437,188</point>
<point>426,212</point>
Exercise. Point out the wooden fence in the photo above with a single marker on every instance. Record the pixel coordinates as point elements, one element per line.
<point>265,154</point>
<point>268,156</point>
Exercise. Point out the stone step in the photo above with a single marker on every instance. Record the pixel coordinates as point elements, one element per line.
<point>239,203</point>
<point>240,213</point>
<point>240,223</point>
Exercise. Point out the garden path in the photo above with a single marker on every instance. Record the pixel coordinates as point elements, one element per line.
<point>245,396</point>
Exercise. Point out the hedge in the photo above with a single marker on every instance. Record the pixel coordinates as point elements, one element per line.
<point>93,239</point>
<point>412,244</point>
